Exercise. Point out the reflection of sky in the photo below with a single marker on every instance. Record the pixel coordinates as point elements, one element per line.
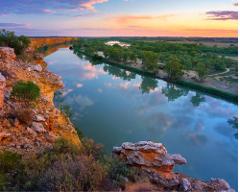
<point>112,110</point>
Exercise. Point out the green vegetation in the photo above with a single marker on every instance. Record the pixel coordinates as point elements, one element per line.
<point>25,91</point>
<point>201,70</point>
<point>63,168</point>
<point>150,60</point>
<point>154,53</point>
<point>148,55</point>
<point>174,68</point>
<point>9,39</point>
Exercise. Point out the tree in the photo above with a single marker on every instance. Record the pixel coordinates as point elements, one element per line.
<point>150,60</point>
<point>9,39</point>
<point>201,70</point>
<point>174,68</point>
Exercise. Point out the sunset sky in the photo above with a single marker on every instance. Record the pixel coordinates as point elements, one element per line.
<point>213,18</point>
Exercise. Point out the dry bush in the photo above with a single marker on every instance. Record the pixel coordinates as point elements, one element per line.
<point>25,116</point>
<point>68,173</point>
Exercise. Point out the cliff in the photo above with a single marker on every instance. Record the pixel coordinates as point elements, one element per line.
<point>41,41</point>
<point>47,123</point>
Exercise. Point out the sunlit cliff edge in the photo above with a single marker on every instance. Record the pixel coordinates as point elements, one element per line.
<point>48,123</point>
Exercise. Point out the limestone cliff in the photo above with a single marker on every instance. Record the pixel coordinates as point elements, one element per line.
<point>47,123</point>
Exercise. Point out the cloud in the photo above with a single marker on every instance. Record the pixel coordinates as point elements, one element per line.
<point>222,15</point>
<point>133,18</point>
<point>11,25</point>
<point>89,5</point>
<point>46,6</point>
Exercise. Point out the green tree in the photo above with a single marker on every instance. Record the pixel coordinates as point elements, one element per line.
<point>174,68</point>
<point>201,70</point>
<point>150,60</point>
<point>9,39</point>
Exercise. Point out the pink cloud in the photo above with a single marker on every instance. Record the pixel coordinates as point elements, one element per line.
<point>89,5</point>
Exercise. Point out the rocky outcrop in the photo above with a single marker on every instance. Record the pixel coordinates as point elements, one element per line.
<point>158,164</point>
<point>149,156</point>
<point>26,129</point>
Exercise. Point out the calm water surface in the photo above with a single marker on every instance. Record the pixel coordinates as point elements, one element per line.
<point>112,106</point>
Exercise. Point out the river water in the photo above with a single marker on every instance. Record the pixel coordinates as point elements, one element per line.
<point>113,105</point>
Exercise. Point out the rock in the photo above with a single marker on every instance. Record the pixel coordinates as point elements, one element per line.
<point>169,181</point>
<point>37,68</point>
<point>155,161</point>
<point>219,184</point>
<point>7,54</point>
<point>38,127</point>
<point>186,185</point>
<point>2,89</point>
<point>39,118</point>
<point>178,159</point>
<point>146,154</point>
<point>4,135</point>
<point>32,132</point>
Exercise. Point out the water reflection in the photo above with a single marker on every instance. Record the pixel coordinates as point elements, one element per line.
<point>197,99</point>
<point>148,84</point>
<point>112,105</point>
<point>172,92</point>
<point>118,72</point>
<point>234,123</point>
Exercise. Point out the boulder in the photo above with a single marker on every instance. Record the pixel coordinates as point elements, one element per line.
<point>7,54</point>
<point>37,68</point>
<point>148,155</point>
<point>39,118</point>
<point>38,127</point>
<point>155,161</point>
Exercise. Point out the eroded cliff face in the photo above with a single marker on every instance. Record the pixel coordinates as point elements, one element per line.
<point>47,123</point>
<point>41,41</point>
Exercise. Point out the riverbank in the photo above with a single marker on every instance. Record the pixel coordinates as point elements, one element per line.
<point>53,159</point>
<point>202,87</point>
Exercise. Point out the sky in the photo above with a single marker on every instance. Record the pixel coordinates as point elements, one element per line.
<point>189,18</point>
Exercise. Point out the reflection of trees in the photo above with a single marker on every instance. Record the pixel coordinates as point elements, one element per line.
<point>234,123</point>
<point>172,92</point>
<point>148,84</point>
<point>118,72</point>
<point>197,99</point>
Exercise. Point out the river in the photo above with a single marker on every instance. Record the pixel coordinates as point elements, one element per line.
<point>113,105</point>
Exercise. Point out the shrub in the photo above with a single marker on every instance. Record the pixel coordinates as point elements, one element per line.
<point>90,148</point>
<point>9,39</point>
<point>25,116</point>
<point>118,172</point>
<point>12,172</point>
<point>25,91</point>
<point>69,173</point>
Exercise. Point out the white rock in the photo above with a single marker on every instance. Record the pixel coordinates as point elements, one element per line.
<point>39,118</point>
<point>186,184</point>
<point>178,159</point>
<point>38,127</point>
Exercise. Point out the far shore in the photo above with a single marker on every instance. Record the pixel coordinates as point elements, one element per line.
<point>203,87</point>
